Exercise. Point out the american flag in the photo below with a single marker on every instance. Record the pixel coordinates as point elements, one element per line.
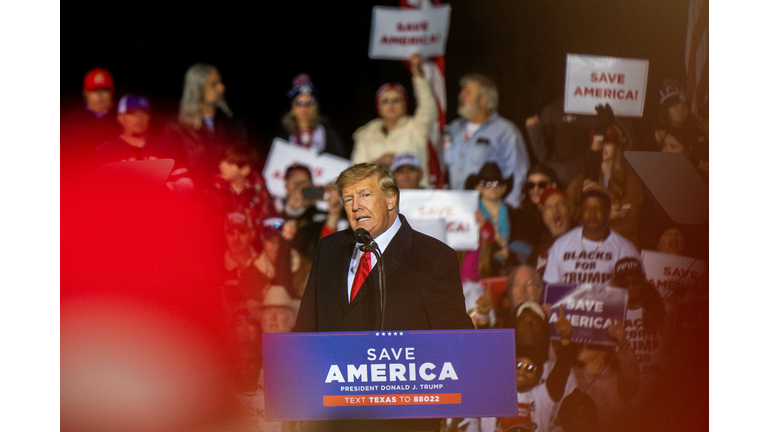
<point>697,57</point>
<point>434,68</point>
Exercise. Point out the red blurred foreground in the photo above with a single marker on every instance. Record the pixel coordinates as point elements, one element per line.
<point>143,342</point>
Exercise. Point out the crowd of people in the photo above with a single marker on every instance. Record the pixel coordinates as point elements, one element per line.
<point>575,193</point>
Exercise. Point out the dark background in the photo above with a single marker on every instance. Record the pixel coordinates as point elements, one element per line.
<point>260,47</point>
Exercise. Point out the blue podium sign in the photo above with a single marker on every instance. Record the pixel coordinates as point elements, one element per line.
<point>390,374</point>
<point>591,310</point>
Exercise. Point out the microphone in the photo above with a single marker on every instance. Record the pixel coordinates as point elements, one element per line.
<point>363,236</point>
<point>368,245</point>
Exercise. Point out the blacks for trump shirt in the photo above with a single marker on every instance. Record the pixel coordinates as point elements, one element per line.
<point>574,259</point>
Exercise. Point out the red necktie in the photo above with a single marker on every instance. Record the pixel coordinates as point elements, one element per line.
<point>362,272</point>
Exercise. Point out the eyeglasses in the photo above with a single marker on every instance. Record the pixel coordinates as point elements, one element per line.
<point>390,101</point>
<point>489,184</point>
<point>305,102</point>
<point>528,367</point>
<point>541,185</point>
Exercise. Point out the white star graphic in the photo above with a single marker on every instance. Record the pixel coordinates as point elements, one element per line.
<point>389,334</point>
<point>401,333</point>
<point>377,333</point>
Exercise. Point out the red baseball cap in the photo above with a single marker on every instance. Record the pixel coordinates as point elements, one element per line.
<point>98,78</point>
<point>546,193</point>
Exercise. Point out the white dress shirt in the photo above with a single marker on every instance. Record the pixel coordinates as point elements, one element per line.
<point>382,240</point>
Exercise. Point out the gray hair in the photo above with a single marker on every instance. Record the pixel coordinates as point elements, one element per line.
<point>536,279</point>
<point>486,88</point>
<point>190,114</point>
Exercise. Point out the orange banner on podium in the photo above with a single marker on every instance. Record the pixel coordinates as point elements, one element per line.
<point>393,399</point>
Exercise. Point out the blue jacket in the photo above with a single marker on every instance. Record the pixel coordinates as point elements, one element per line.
<point>498,140</point>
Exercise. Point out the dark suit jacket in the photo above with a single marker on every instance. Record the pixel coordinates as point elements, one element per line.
<point>424,292</point>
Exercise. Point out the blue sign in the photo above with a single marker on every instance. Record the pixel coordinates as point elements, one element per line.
<point>390,374</point>
<point>590,309</point>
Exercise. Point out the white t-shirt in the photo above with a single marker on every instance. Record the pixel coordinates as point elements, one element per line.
<point>470,130</point>
<point>574,259</point>
<point>541,407</point>
<point>534,406</point>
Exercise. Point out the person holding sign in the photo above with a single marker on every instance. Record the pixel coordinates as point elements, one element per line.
<point>539,394</point>
<point>424,290</point>
<point>646,326</point>
<point>610,377</point>
<point>671,240</point>
<point>675,113</point>
<point>480,135</point>
<point>617,178</point>
<point>379,140</point>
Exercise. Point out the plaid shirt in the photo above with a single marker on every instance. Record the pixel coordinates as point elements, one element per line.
<point>254,199</point>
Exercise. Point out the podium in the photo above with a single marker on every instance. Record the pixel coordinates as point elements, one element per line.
<point>390,374</point>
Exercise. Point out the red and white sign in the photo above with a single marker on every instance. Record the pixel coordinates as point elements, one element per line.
<point>324,167</point>
<point>591,81</point>
<point>677,278</point>
<point>396,33</point>
<point>456,209</point>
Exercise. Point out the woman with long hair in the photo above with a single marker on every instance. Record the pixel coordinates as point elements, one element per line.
<point>616,177</point>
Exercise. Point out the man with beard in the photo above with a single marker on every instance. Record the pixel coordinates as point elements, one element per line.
<point>480,135</point>
<point>205,125</point>
<point>588,253</point>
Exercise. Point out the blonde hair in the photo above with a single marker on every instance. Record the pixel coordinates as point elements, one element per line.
<point>361,171</point>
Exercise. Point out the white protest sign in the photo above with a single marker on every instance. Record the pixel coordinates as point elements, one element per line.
<point>456,208</point>
<point>591,80</point>
<point>396,33</point>
<point>431,227</point>
<point>677,278</point>
<point>324,167</point>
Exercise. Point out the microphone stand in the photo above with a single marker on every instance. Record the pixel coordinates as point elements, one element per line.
<point>373,247</point>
